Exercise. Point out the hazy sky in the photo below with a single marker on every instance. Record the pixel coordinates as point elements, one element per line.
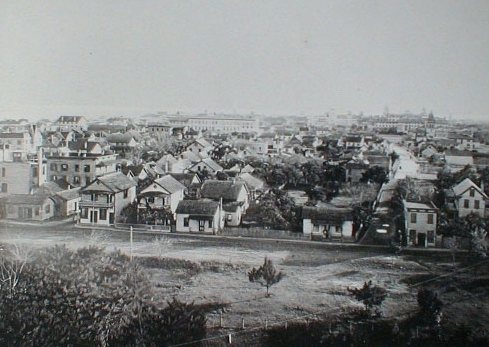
<point>129,57</point>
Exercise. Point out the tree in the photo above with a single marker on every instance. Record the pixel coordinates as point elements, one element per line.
<point>266,275</point>
<point>90,297</point>
<point>430,307</point>
<point>370,295</point>
<point>375,174</point>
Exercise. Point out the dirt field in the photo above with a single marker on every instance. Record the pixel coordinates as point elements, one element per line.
<point>315,285</point>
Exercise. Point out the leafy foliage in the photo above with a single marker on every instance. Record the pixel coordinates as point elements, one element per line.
<point>375,174</point>
<point>90,297</point>
<point>430,306</point>
<point>266,275</point>
<point>371,296</point>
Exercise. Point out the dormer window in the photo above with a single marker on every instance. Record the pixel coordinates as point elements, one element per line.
<point>472,193</point>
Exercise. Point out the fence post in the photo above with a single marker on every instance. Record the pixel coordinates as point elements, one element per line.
<point>230,339</point>
<point>220,320</point>
<point>285,325</point>
<point>242,323</point>
<point>266,323</point>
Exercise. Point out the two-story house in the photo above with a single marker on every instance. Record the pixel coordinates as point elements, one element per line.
<point>234,196</point>
<point>103,200</point>
<point>200,147</point>
<point>79,170</point>
<point>163,194</point>
<point>469,198</point>
<point>420,223</point>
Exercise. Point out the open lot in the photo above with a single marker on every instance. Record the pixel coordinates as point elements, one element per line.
<point>214,269</point>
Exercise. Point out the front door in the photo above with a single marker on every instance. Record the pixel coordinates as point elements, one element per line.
<point>201,225</point>
<point>421,240</point>
<point>93,216</point>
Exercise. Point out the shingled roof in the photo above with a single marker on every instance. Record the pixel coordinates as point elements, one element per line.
<point>27,199</point>
<point>115,182</point>
<point>326,214</point>
<point>203,207</point>
<point>227,190</point>
<point>170,184</point>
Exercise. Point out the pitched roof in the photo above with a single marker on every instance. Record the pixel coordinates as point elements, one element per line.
<point>170,184</point>
<point>329,214</point>
<point>203,207</point>
<point>114,182</point>
<point>465,185</point>
<point>228,190</point>
<point>48,188</point>
<point>27,199</point>
<point>419,205</point>
<point>184,178</point>
<point>210,163</point>
<point>69,194</point>
<point>251,181</point>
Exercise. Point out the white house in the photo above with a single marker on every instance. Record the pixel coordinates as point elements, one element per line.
<point>203,216</point>
<point>469,198</point>
<point>103,200</point>
<point>420,223</point>
<point>328,223</point>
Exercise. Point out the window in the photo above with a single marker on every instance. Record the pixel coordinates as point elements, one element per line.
<point>126,193</point>
<point>466,203</point>
<point>84,213</point>
<point>3,172</point>
<point>64,167</point>
<point>48,208</point>
<point>430,218</point>
<point>76,179</point>
<point>37,211</point>
<point>4,188</point>
<point>103,214</point>
<point>77,167</point>
<point>229,217</point>
<point>186,222</point>
<point>151,199</point>
<point>413,217</point>
<point>431,236</point>
<point>210,224</point>
<point>53,167</point>
<point>476,204</point>
<point>86,168</point>
<point>472,192</point>
<point>201,225</point>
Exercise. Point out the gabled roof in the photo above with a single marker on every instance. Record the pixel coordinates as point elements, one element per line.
<point>114,182</point>
<point>69,194</point>
<point>228,190</point>
<point>465,185</point>
<point>251,181</point>
<point>202,142</point>
<point>329,214</point>
<point>185,178</point>
<point>190,156</point>
<point>210,163</point>
<point>48,188</point>
<point>170,184</point>
<point>203,207</point>
<point>27,199</point>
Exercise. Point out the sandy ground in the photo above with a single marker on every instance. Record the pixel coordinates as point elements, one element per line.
<point>315,283</point>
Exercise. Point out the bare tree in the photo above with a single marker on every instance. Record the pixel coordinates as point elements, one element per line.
<point>12,265</point>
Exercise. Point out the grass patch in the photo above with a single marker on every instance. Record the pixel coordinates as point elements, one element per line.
<point>169,264</point>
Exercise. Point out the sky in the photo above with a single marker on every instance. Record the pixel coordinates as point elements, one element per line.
<point>284,57</point>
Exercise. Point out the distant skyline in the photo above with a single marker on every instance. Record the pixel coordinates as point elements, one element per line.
<point>132,57</point>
